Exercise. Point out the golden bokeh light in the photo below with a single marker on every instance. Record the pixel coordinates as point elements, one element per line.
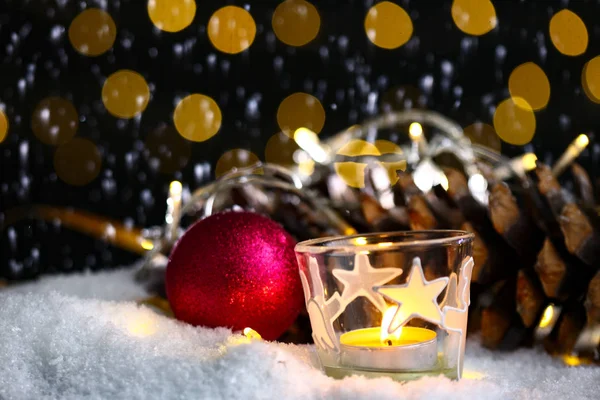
<point>236,158</point>
<point>54,121</point>
<point>280,150</point>
<point>3,126</point>
<point>514,121</point>
<point>197,117</point>
<point>388,26</point>
<point>483,134</point>
<point>171,15</point>
<point>168,149</point>
<point>125,94</point>
<point>93,32</point>
<point>387,147</point>
<point>529,82</point>
<point>358,147</point>
<point>77,162</point>
<point>231,29</point>
<point>590,79</point>
<point>568,33</point>
<point>300,110</point>
<point>474,17</point>
<point>296,22</point>
<point>353,173</point>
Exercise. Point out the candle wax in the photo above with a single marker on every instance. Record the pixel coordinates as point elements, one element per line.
<point>414,350</point>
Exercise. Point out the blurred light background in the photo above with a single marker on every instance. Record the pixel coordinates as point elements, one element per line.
<point>103,103</point>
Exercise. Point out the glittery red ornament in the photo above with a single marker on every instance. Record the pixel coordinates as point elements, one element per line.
<point>237,270</point>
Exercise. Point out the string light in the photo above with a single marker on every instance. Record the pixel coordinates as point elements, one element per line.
<point>197,117</point>
<point>590,79</point>
<point>568,33</point>
<point>529,82</point>
<point>388,26</point>
<point>77,162</point>
<point>300,110</point>
<point>236,158</point>
<point>296,22</point>
<point>474,17</point>
<point>171,15</point>
<point>54,121</point>
<point>514,121</point>
<point>483,134</point>
<point>125,94</point>
<point>3,126</point>
<point>231,29</point>
<point>92,32</point>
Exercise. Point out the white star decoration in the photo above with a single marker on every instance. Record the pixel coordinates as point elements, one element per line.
<point>416,298</point>
<point>361,280</point>
<point>455,318</point>
<point>320,311</point>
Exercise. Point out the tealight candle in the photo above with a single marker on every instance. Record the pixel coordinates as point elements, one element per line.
<point>415,349</point>
<point>407,348</point>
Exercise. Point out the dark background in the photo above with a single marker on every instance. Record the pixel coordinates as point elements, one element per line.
<point>340,60</point>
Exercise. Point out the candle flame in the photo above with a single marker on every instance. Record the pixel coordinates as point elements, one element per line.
<point>386,322</point>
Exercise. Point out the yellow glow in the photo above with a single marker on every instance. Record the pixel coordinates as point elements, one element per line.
<point>529,82</point>
<point>514,121</point>
<point>473,375</point>
<point>483,134</point>
<point>231,29</point>
<point>547,316</point>
<point>166,146</point>
<point>309,142</point>
<point>251,334</point>
<point>197,117</point>
<point>77,162</point>
<point>582,141</point>
<point>236,158</point>
<point>444,181</point>
<point>571,360</point>
<point>175,188</point>
<point>3,126</point>
<point>171,15</point>
<point>474,17</point>
<point>54,121</point>
<point>590,79</point>
<point>568,33</point>
<point>385,244</point>
<point>360,241</point>
<point>528,161</point>
<point>296,22</point>
<point>125,94</point>
<point>92,32</point>
<point>142,326</point>
<point>415,131</point>
<point>388,26</point>
<point>300,110</point>
<point>147,244</point>
<point>358,147</point>
<point>282,150</point>
<point>352,173</point>
<point>386,321</point>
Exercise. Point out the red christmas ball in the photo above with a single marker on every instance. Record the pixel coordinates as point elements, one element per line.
<point>236,270</point>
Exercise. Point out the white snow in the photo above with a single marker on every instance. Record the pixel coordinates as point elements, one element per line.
<point>69,338</point>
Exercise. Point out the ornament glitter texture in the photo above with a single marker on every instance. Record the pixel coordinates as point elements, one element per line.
<point>236,270</point>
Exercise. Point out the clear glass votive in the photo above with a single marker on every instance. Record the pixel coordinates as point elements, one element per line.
<point>389,304</point>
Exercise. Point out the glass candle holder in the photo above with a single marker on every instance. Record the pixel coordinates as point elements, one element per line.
<point>389,304</point>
